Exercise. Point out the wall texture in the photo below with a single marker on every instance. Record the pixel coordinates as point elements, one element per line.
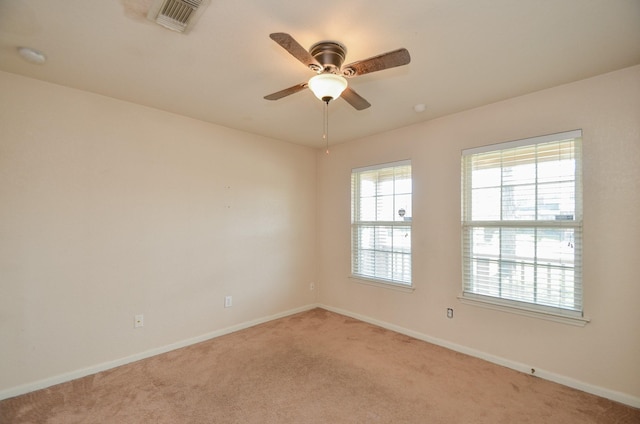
<point>110,209</point>
<point>601,356</point>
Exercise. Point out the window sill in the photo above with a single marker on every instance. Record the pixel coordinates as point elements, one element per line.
<point>382,284</point>
<point>549,316</point>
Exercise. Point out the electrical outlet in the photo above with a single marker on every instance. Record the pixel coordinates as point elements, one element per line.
<point>312,286</point>
<point>449,313</point>
<point>138,321</point>
<point>228,301</point>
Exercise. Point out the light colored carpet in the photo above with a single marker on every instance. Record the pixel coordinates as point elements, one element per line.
<point>313,367</point>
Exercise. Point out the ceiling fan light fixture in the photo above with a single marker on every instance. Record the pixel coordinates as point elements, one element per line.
<point>327,87</point>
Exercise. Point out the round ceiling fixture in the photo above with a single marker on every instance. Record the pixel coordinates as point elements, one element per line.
<point>420,107</point>
<point>32,55</point>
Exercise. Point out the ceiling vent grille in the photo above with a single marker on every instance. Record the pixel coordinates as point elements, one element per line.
<point>177,15</point>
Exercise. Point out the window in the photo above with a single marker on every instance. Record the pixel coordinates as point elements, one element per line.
<point>381,223</point>
<point>522,224</point>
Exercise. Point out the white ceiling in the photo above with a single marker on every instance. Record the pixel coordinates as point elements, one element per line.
<point>464,54</point>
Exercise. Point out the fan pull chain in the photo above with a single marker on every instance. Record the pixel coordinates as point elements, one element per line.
<point>325,135</point>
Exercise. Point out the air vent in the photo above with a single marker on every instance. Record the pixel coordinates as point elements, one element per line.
<point>177,15</point>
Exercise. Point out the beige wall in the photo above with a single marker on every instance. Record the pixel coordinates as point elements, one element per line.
<point>602,356</point>
<point>110,209</point>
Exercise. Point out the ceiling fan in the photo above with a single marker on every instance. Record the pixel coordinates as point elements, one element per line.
<point>325,58</point>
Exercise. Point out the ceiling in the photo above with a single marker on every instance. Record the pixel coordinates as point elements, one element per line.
<point>464,54</point>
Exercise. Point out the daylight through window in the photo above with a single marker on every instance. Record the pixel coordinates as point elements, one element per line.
<point>381,214</point>
<point>522,223</point>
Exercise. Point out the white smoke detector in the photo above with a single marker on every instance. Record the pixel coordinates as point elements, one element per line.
<point>32,55</point>
<point>177,15</point>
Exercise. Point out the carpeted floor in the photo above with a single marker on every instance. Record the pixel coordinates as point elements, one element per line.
<point>313,367</point>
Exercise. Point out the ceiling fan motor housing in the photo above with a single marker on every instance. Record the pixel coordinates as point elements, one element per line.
<point>330,54</point>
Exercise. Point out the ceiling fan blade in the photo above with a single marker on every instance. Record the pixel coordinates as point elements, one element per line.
<point>296,50</point>
<point>286,92</point>
<point>354,99</point>
<point>377,63</point>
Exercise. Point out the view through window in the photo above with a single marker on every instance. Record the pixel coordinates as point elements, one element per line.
<point>522,223</point>
<point>381,212</point>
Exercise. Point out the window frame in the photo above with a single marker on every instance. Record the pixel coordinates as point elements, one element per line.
<point>470,293</point>
<point>392,225</point>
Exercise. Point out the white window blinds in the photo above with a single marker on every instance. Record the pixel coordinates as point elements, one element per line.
<point>381,212</point>
<point>522,223</point>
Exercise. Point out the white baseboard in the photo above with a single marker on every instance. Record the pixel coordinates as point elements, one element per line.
<point>63,378</point>
<point>557,378</point>
<point>546,375</point>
